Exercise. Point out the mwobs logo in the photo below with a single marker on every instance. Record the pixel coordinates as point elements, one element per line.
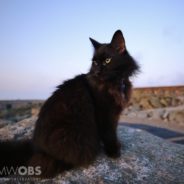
<point>20,171</point>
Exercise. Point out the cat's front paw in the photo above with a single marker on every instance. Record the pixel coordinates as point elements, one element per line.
<point>113,151</point>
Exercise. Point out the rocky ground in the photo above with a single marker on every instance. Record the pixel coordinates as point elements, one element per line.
<point>145,159</point>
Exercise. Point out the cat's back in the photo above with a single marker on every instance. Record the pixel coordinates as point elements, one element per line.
<point>72,86</point>
<point>71,94</point>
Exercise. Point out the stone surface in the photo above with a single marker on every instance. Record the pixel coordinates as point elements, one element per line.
<point>145,159</point>
<point>22,129</point>
<point>4,123</point>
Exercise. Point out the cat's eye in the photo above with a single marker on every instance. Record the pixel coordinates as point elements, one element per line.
<point>95,63</point>
<point>108,60</point>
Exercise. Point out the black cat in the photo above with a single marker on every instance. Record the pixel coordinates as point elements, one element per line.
<point>81,116</point>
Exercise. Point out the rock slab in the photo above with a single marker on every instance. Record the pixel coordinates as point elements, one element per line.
<point>145,159</point>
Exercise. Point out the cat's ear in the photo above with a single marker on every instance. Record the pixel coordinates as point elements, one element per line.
<point>96,44</point>
<point>118,41</point>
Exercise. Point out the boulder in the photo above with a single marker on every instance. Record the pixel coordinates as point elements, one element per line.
<point>144,159</point>
<point>164,102</point>
<point>176,116</point>
<point>155,102</point>
<point>144,104</point>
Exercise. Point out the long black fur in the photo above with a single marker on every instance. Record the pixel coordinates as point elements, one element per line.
<point>81,116</point>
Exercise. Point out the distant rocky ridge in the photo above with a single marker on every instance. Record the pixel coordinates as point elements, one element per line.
<point>158,97</point>
<point>144,159</point>
<point>162,103</point>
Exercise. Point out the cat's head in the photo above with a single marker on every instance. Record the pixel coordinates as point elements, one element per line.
<point>112,61</point>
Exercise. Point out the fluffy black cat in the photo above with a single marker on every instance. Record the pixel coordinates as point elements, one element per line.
<point>81,116</point>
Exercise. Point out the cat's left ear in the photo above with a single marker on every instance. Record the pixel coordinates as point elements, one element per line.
<point>96,44</point>
<point>118,42</point>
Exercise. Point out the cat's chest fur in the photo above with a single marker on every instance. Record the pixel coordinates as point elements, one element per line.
<point>117,95</point>
<point>109,96</point>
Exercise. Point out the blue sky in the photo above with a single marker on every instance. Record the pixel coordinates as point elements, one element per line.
<point>45,42</point>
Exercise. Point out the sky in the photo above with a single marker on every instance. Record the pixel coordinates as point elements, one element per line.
<point>44,42</point>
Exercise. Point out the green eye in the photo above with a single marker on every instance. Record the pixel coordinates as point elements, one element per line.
<point>108,60</point>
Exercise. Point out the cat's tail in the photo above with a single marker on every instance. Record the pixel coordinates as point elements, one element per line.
<point>13,155</point>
